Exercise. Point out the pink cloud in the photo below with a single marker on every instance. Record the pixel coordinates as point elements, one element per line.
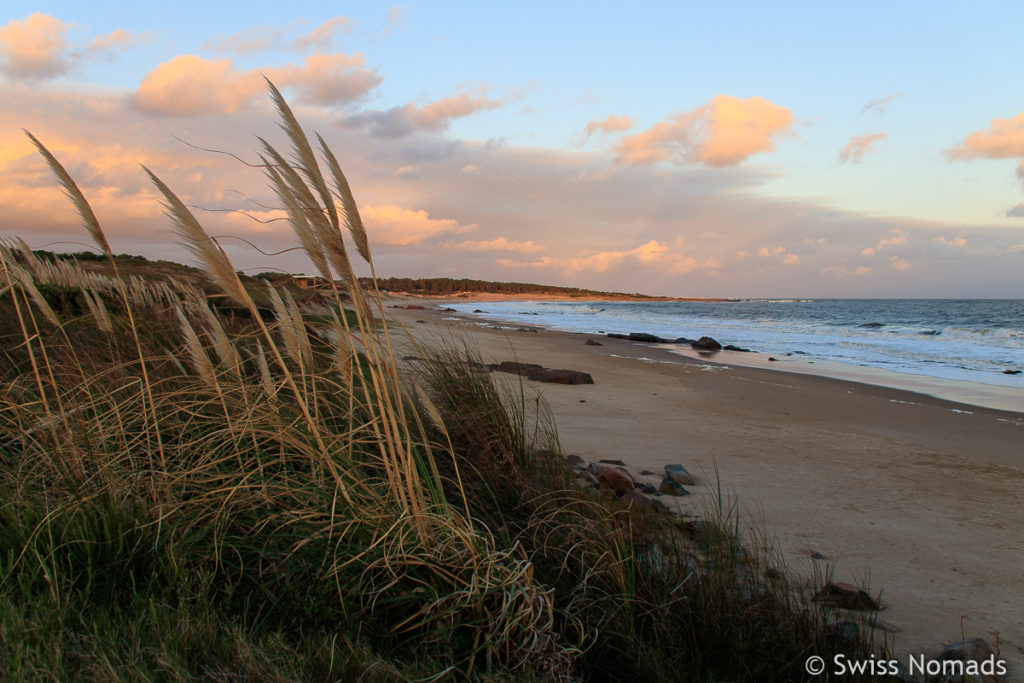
<point>34,47</point>
<point>1003,139</point>
<point>188,85</point>
<point>859,146</point>
<point>393,225</point>
<point>612,124</point>
<point>499,244</point>
<point>723,132</point>
<point>435,116</point>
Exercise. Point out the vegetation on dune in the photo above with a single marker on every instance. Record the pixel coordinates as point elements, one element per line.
<point>248,490</point>
<point>442,286</point>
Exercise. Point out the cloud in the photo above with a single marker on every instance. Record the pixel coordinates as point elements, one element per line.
<point>879,105</point>
<point>858,146</point>
<point>956,242</point>
<point>1017,211</point>
<point>434,117</point>
<point>652,255</point>
<point>470,169</point>
<point>723,132</point>
<point>322,37</point>
<point>392,225</point>
<point>262,38</point>
<point>327,79</point>
<point>1003,139</point>
<point>34,48</point>
<point>899,264</point>
<point>845,271</point>
<point>188,85</point>
<point>612,124</point>
<point>499,244</point>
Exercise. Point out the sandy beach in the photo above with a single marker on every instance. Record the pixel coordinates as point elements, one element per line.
<point>918,497</point>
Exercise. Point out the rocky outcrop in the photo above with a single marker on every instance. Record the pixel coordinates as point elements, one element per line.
<point>671,487</point>
<point>706,344</point>
<point>591,342</point>
<point>539,373</point>
<point>846,596</point>
<point>678,473</point>
<point>615,479</point>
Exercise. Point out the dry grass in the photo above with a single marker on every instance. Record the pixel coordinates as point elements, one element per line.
<point>256,492</point>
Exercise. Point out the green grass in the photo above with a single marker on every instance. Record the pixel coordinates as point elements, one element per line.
<point>253,490</point>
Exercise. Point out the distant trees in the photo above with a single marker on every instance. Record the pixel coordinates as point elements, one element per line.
<point>442,286</point>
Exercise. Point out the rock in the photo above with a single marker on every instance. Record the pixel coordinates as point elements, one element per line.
<point>679,473</point>
<point>587,479</point>
<point>696,529</point>
<point>706,344</point>
<point>449,310</point>
<point>844,631</point>
<point>818,556</point>
<point>541,374</point>
<point>772,358</point>
<point>846,596</point>
<point>596,467</point>
<point>411,358</point>
<point>649,338</point>
<point>972,649</point>
<point>413,307</point>
<point>617,463</point>
<point>636,500</point>
<point>684,340</point>
<point>421,321</point>
<point>477,310</point>
<point>649,489</point>
<point>733,347</point>
<point>1012,372</point>
<point>616,480</point>
<point>648,473</point>
<point>672,487</point>
<point>591,342</point>
<point>575,460</point>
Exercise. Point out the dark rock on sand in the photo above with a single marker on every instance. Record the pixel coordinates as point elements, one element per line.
<point>733,347</point>
<point>541,374</point>
<point>684,340</point>
<point>616,480</point>
<point>575,460</point>
<point>1012,372</point>
<point>672,487</point>
<point>477,310</point>
<point>587,479</point>
<point>706,344</point>
<point>975,649</point>
<point>413,307</point>
<point>649,338</point>
<point>617,463</point>
<point>818,556</point>
<point>649,489</point>
<point>591,342</point>
<point>679,474</point>
<point>846,596</point>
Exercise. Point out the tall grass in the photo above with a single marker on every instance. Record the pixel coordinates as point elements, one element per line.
<point>251,491</point>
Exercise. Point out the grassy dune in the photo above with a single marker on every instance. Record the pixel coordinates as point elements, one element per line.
<point>249,491</point>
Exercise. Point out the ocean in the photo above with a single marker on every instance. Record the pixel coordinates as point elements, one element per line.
<point>973,340</point>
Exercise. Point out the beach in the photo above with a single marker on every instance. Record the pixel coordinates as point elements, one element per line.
<point>919,498</point>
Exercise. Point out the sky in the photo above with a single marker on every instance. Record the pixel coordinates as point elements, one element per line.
<point>784,149</point>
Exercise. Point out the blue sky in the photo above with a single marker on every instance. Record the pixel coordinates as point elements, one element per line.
<point>464,128</point>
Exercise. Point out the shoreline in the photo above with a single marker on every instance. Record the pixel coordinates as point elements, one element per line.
<point>969,393</point>
<point>915,494</point>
